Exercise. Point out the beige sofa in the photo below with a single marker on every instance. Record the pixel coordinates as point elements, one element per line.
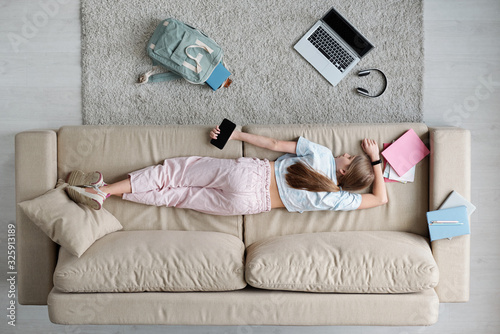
<point>366,267</point>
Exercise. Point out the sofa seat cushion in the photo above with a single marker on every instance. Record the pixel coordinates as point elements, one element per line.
<point>344,262</point>
<point>136,261</point>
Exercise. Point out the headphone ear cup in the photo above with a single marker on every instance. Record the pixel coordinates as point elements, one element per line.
<point>363,73</point>
<point>362,91</point>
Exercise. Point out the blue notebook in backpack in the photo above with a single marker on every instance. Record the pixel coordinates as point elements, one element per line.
<point>448,223</point>
<point>218,76</point>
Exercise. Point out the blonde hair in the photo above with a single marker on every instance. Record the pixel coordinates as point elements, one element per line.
<point>358,175</point>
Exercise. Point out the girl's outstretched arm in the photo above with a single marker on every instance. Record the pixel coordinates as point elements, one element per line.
<point>260,141</point>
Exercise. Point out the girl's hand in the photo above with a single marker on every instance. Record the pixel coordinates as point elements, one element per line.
<point>216,131</point>
<point>370,147</point>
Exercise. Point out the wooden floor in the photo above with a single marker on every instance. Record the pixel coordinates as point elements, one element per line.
<point>40,88</point>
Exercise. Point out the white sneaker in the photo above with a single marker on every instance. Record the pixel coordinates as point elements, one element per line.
<point>81,196</point>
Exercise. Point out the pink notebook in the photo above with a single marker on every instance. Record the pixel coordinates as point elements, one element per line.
<point>405,152</point>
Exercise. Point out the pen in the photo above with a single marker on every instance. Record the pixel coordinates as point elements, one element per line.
<point>446,222</point>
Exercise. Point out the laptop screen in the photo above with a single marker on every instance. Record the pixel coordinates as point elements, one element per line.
<point>347,32</point>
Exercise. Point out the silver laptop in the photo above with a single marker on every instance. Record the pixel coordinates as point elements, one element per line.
<point>333,46</point>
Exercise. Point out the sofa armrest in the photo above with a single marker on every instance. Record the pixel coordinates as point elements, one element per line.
<point>36,173</point>
<point>450,169</point>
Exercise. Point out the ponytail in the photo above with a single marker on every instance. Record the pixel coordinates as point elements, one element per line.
<point>304,177</point>
<point>358,176</point>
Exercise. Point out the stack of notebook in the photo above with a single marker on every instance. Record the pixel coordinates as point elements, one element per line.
<point>402,156</point>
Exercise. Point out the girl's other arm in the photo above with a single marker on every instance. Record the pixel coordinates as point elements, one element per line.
<point>260,141</point>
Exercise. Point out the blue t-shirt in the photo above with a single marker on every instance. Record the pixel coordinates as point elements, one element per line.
<point>321,159</point>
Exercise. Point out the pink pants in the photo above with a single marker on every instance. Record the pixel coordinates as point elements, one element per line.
<point>209,185</point>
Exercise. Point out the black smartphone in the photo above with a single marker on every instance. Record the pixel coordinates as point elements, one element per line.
<point>226,129</point>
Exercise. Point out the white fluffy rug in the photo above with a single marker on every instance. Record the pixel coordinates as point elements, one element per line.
<point>272,83</point>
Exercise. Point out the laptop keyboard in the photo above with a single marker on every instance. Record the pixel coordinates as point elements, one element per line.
<point>331,49</point>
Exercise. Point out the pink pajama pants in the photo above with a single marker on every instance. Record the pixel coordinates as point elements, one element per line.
<point>209,185</point>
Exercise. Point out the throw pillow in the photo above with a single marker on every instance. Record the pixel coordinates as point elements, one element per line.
<point>73,226</point>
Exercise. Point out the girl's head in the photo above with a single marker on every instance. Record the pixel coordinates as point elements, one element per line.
<point>353,173</point>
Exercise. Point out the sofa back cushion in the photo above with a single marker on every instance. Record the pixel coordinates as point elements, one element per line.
<point>344,262</point>
<point>135,261</point>
<point>118,150</point>
<point>407,205</point>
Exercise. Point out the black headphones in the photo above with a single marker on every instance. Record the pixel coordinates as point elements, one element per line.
<point>364,92</point>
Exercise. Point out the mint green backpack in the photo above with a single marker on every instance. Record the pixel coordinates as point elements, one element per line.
<point>183,51</point>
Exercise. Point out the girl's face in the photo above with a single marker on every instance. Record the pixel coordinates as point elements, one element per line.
<point>343,162</point>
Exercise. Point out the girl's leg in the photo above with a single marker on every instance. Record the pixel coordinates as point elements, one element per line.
<point>182,172</point>
<point>175,172</point>
<point>207,200</point>
<point>118,188</point>
<point>187,172</point>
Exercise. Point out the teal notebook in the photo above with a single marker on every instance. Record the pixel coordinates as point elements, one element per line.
<point>218,76</point>
<point>448,223</point>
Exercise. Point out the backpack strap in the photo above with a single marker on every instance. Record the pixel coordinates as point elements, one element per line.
<point>167,76</point>
<point>159,77</point>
